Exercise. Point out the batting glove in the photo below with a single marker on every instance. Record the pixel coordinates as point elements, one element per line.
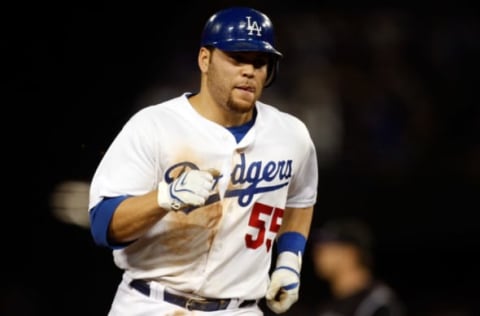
<point>191,188</point>
<point>285,282</point>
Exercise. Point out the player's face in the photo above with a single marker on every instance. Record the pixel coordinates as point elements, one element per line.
<point>236,79</point>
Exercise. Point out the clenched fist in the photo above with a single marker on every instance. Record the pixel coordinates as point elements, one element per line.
<point>191,188</point>
<point>285,282</point>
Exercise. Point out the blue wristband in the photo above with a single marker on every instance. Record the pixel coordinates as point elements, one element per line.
<point>291,241</point>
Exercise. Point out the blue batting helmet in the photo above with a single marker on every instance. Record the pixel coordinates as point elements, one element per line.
<point>242,29</point>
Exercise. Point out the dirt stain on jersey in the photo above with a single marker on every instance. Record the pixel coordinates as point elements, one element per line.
<point>195,230</point>
<point>183,238</point>
<point>186,238</point>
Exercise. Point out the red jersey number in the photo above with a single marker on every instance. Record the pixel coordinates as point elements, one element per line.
<point>259,217</point>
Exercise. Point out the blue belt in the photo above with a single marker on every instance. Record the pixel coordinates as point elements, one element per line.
<point>206,305</point>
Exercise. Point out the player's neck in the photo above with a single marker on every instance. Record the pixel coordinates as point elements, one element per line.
<point>207,108</point>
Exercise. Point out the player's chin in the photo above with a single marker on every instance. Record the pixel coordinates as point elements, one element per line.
<point>245,98</point>
<point>241,107</point>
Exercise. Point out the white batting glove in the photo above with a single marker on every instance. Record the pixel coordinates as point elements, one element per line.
<point>191,188</point>
<point>285,282</point>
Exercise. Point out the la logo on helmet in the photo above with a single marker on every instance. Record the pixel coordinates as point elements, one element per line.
<point>253,27</point>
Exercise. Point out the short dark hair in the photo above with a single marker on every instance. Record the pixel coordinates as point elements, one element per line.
<point>349,230</point>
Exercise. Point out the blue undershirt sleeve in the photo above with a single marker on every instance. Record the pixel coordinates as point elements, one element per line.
<point>100,217</point>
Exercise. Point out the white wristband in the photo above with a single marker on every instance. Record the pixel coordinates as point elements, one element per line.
<point>163,197</point>
<point>289,259</point>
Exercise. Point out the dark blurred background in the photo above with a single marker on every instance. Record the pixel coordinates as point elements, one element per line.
<point>389,93</point>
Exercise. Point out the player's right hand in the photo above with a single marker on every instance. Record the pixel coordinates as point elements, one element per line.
<point>191,188</point>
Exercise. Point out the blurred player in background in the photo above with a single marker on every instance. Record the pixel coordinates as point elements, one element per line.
<point>194,192</point>
<point>343,257</point>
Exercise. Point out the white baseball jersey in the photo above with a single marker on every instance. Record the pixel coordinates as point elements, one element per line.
<point>221,250</point>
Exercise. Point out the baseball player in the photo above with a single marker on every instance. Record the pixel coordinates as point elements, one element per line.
<point>194,193</point>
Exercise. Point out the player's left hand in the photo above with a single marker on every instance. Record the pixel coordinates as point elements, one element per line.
<point>285,283</point>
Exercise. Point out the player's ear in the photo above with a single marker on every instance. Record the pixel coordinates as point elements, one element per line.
<point>204,58</point>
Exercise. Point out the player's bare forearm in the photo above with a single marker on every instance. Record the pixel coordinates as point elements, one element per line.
<point>297,220</point>
<point>134,216</point>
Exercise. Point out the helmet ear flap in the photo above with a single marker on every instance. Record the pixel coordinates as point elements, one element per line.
<point>272,70</point>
